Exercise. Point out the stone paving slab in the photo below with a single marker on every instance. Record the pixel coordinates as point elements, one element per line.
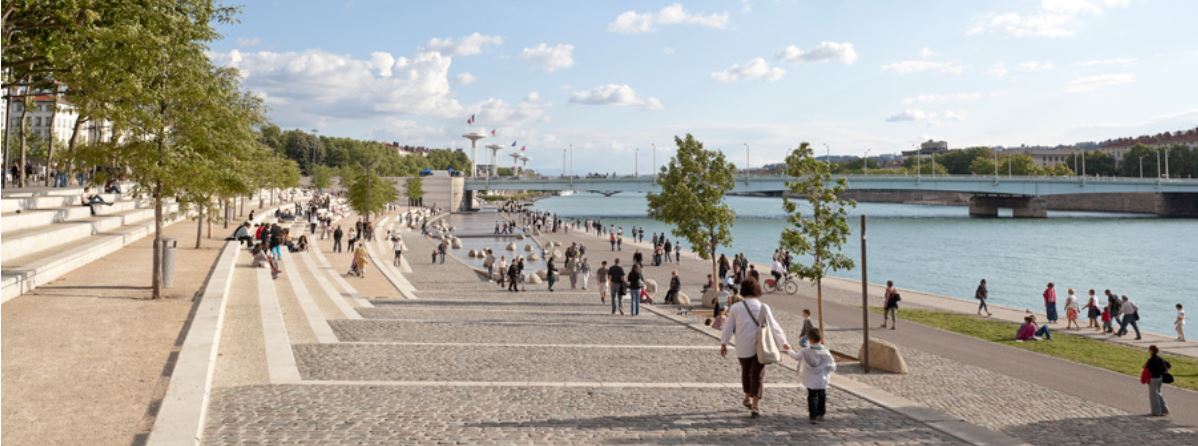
<point>475,315</point>
<point>409,331</point>
<point>478,304</point>
<point>336,415</point>
<point>381,362</point>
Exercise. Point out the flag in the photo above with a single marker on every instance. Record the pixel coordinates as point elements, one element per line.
<point>523,148</point>
<point>513,143</point>
<point>471,120</point>
<point>492,132</point>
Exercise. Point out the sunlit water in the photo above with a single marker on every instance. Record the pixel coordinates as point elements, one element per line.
<point>940,249</point>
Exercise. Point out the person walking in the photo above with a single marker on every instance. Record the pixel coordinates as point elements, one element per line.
<point>572,269</point>
<point>615,275</point>
<point>1071,311</point>
<point>1050,303</point>
<point>1157,369</point>
<point>353,239</point>
<point>551,273</point>
<point>746,319</point>
<point>891,299</point>
<point>612,237</point>
<point>635,283</point>
<point>601,276</point>
<point>1093,312</point>
<point>442,249</point>
<point>489,261</point>
<point>981,295</point>
<point>1131,316</point>
<point>397,246</point>
<point>502,270</point>
<point>1180,324</point>
<point>816,365</point>
<point>584,272</point>
<point>677,252</point>
<point>1113,305</point>
<point>807,327</point>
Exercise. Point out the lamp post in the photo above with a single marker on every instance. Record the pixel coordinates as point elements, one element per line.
<point>636,162</point>
<point>828,156</point>
<point>571,166</point>
<point>1141,167</point>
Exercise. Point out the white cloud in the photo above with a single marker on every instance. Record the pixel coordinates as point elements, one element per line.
<point>667,51</point>
<point>950,97</point>
<point>1053,18</point>
<point>464,79</point>
<point>614,94</point>
<point>824,52</point>
<point>916,66</point>
<point>550,58</point>
<point>1125,61</point>
<point>933,118</point>
<point>757,68</point>
<point>316,85</point>
<point>533,96</point>
<point>926,52</point>
<point>1094,83</point>
<point>497,113</point>
<point>1035,66</point>
<point>249,41</point>
<point>632,22</point>
<point>998,70</point>
<point>465,46</point>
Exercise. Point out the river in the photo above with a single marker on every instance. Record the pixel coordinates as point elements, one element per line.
<point>940,249</point>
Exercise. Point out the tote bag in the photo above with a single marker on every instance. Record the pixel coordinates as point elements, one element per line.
<point>767,349</point>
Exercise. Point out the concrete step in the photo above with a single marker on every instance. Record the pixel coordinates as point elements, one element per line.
<point>21,243</point>
<point>20,275</point>
<point>12,205</point>
<point>11,222</point>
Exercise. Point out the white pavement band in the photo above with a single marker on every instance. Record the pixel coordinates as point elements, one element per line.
<point>315,249</point>
<point>316,319</point>
<point>332,293</point>
<point>280,362</point>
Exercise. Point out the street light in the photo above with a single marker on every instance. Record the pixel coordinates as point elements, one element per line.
<point>1141,167</point>
<point>636,162</point>
<point>828,156</point>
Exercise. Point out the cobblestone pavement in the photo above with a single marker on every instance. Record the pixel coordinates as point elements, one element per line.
<point>558,333</point>
<point>354,415</point>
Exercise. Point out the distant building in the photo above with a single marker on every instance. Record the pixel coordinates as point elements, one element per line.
<point>1047,156</point>
<point>929,147</point>
<point>42,121</point>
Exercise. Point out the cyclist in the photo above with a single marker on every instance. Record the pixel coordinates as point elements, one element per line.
<point>777,270</point>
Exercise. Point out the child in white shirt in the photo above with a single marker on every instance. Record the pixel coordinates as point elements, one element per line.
<point>816,365</point>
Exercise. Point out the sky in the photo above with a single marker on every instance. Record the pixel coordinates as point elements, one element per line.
<point>615,81</point>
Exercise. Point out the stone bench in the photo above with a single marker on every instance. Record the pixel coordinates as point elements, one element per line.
<point>21,243</point>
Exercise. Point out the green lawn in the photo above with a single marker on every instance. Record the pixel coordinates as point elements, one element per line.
<point>1107,355</point>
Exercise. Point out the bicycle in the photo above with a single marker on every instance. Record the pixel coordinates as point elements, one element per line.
<point>787,284</point>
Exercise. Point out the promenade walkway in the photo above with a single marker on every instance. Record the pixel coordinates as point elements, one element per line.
<point>1030,396</point>
<point>468,363</point>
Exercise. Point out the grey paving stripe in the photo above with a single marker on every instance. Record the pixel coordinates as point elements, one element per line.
<point>280,362</point>
<point>388,331</point>
<point>467,363</point>
<point>418,415</point>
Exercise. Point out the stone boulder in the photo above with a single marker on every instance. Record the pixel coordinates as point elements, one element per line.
<point>534,279</point>
<point>710,297</point>
<point>651,286</point>
<point>511,246</point>
<point>470,254</point>
<point>534,257</point>
<point>519,236</point>
<point>457,243</point>
<point>557,254</point>
<point>884,356</point>
<point>527,248</point>
<point>683,299</point>
<point>541,274</point>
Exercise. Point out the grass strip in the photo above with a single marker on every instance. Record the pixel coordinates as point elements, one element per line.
<point>1065,345</point>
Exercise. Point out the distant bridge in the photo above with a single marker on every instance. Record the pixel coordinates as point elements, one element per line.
<point>1178,197</point>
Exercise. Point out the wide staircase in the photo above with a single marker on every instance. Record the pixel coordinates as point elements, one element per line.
<point>47,232</point>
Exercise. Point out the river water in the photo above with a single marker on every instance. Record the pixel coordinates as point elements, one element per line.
<point>940,249</point>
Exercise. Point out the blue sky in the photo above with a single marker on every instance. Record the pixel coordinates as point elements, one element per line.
<point>611,76</point>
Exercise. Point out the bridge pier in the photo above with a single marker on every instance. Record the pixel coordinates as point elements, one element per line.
<point>1177,205</point>
<point>1021,206</point>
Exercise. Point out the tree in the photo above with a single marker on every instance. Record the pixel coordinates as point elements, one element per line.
<point>1057,170</point>
<point>824,231</point>
<point>981,166</point>
<point>346,175</point>
<point>369,193</point>
<point>924,166</point>
<point>1017,164</point>
<point>322,176</point>
<point>691,200</point>
<point>1097,163</point>
<point>958,162</point>
<point>414,189</point>
<point>1144,155</point>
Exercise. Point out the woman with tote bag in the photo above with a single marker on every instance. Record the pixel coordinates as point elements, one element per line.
<point>758,335</point>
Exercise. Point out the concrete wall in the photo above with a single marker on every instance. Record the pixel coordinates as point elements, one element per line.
<point>442,191</point>
<point>1133,202</point>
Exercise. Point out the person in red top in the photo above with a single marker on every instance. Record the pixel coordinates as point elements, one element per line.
<point>1050,303</point>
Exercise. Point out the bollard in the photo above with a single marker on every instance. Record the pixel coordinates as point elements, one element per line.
<point>168,261</point>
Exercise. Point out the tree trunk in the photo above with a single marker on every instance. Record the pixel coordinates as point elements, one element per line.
<point>156,281</point>
<point>51,140</point>
<point>71,145</point>
<point>199,224</point>
<point>22,135</point>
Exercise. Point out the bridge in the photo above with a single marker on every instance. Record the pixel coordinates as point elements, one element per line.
<point>1022,194</point>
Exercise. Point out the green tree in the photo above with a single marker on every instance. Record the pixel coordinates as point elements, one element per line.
<point>414,189</point>
<point>693,185</point>
<point>1018,164</point>
<point>821,231</point>
<point>1146,156</point>
<point>1097,163</point>
<point>982,166</point>
<point>924,166</point>
<point>370,193</point>
<point>1057,170</point>
<point>957,162</point>
<point>322,177</point>
<point>347,174</point>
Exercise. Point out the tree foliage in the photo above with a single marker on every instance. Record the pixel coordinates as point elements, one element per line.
<point>322,177</point>
<point>414,190</point>
<point>693,185</point>
<point>369,193</point>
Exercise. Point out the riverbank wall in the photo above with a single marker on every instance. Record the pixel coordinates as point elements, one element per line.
<point>1138,203</point>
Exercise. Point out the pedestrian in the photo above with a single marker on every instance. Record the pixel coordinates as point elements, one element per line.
<point>1180,324</point>
<point>981,295</point>
<point>745,321</point>
<point>513,276</point>
<point>1030,331</point>
<point>584,272</point>
<point>358,264</point>
<point>890,306</point>
<point>807,327</point>
<point>612,237</point>
<point>615,275</point>
<point>816,365</point>
<point>1131,316</point>
<point>489,261</point>
<point>353,239</point>
<point>1106,319</point>
<point>635,283</point>
<point>675,288</point>
<point>442,249</point>
<point>1113,303</point>
<point>551,273</point>
<point>572,269</point>
<point>397,246</point>
<point>1157,369</point>
<point>1071,311</point>
<point>620,242</point>
<point>677,252</point>
<point>638,259</point>
<point>1050,303</point>
<point>502,270</point>
<point>601,276</point>
<point>1093,311</point>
